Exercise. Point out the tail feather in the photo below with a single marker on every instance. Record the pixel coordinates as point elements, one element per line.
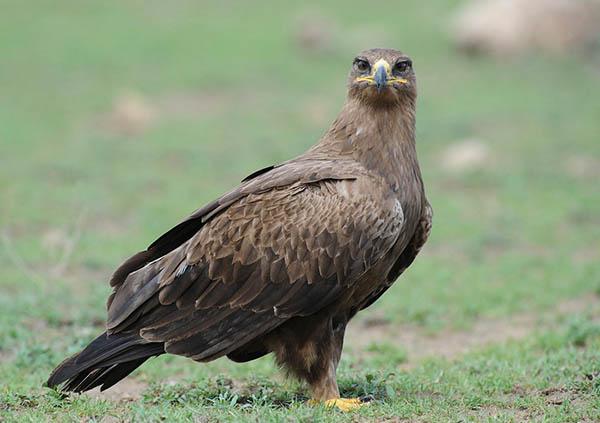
<point>104,362</point>
<point>104,377</point>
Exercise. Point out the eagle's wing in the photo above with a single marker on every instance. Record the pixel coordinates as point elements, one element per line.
<point>408,255</point>
<point>284,244</point>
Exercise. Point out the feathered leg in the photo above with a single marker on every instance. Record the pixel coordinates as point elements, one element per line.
<point>310,348</point>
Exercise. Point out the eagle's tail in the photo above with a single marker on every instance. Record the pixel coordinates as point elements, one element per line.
<point>104,362</point>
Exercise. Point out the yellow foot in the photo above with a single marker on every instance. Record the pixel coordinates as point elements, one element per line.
<point>342,404</point>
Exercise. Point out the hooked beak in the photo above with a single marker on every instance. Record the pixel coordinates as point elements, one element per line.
<point>381,76</point>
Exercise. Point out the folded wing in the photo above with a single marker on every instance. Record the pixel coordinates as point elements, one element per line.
<point>284,244</point>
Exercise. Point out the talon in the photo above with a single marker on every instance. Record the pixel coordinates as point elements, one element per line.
<point>342,404</point>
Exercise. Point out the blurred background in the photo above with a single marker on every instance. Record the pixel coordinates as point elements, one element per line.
<point>118,119</point>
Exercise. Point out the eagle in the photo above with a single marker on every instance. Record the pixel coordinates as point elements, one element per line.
<point>284,261</point>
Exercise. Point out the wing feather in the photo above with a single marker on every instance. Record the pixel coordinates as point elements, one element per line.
<point>268,251</point>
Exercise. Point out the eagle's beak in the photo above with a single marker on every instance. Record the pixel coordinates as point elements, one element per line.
<point>380,75</point>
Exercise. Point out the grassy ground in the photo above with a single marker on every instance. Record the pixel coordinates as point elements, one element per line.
<point>118,119</point>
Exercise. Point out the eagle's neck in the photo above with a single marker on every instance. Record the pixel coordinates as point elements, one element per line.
<point>382,139</point>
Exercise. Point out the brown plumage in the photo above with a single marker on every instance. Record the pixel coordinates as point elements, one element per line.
<point>282,262</point>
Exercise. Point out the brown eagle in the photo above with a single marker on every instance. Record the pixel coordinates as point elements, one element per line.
<point>281,263</point>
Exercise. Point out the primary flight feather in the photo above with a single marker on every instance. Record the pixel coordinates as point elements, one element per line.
<point>281,263</point>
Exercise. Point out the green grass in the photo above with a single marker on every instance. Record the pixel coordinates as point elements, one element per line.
<point>231,90</point>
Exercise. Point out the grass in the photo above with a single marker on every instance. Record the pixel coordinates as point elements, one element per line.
<point>225,89</point>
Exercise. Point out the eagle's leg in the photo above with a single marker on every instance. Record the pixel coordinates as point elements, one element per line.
<point>325,389</point>
<point>310,349</point>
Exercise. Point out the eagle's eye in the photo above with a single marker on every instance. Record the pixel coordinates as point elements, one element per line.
<point>402,66</point>
<point>362,65</point>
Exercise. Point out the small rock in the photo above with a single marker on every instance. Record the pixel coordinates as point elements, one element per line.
<point>56,239</point>
<point>512,27</point>
<point>465,156</point>
<point>582,167</point>
<point>132,114</point>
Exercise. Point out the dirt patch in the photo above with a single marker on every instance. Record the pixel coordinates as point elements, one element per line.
<point>577,304</point>
<point>492,412</point>
<point>451,344</point>
<point>6,356</point>
<point>556,395</point>
<point>127,390</point>
<point>586,255</point>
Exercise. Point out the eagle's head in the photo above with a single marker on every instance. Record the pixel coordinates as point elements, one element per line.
<point>382,77</point>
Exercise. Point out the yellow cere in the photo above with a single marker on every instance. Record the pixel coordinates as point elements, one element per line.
<point>385,64</point>
<point>388,70</point>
